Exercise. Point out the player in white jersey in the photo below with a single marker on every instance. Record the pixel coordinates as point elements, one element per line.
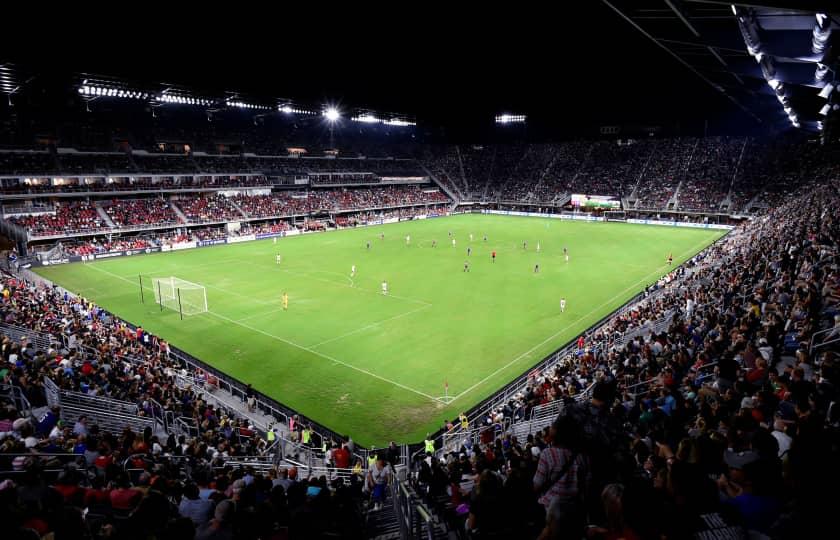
<point>407,239</point>
<point>453,242</point>
<point>353,271</point>
<point>566,254</point>
<point>384,287</point>
<point>538,247</point>
<point>562,305</point>
<point>278,258</point>
<point>471,237</point>
<point>275,239</point>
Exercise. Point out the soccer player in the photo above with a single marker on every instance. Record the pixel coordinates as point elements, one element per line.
<point>566,254</point>
<point>453,242</point>
<point>525,245</point>
<point>670,258</point>
<point>471,237</point>
<point>278,258</point>
<point>493,256</point>
<point>537,268</point>
<point>466,266</point>
<point>382,236</point>
<point>562,305</point>
<point>368,245</point>
<point>434,243</point>
<point>275,239</point>
<point>538,247</point>
<point>384,287</point>
<point>407,239</point>
<point>353,271</point>
<point>469,251</point>
<point>485,237</point>
<point>285,301</point>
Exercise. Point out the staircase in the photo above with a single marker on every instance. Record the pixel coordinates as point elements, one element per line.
<point>546,171</point>
<point>238,209</point>
<point>440,184</point>
<point>383,524</point>
<point>178,212</point>
<point>674,201</point>
<point>105,217</point>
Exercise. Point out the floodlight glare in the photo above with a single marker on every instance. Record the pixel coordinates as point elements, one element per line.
<point>774,83</point>
<point>825,110</point>
<point>826,91</point>
<point>734,10</point>
<point>286,109</point>
<point>332,114</point>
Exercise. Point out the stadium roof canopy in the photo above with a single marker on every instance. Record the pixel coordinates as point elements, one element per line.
<point>771,59</point>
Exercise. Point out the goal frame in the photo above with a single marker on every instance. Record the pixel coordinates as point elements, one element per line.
<point>185,297</point>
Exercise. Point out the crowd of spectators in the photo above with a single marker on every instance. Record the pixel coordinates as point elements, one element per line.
<point>72,217</point>
<point>79,480</point>
<point>734,431</point>
<point>140,212</point>
<point>208,208</point>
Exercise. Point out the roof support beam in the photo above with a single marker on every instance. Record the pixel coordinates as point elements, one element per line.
<point>685,21</point>
<point>681,61</point>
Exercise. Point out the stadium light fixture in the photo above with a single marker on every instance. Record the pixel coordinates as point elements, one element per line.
<point>510,119</point>
<point>826,91</point>
<point>399,122</point>
<point>774,83</point>
<point>825,110</point>
<point>734,10</point>
<point>366,119</point>
<point>332,114</point>
<point>285,109</point>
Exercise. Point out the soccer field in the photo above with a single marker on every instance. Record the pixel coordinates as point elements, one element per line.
<point>372,365</point>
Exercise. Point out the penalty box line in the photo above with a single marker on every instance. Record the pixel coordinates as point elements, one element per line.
<point>554,335</point>
<point>325,356</point>
<point>293,344</point>
<point>302,347</point>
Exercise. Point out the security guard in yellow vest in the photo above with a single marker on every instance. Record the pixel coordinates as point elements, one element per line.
<point>429,444</point>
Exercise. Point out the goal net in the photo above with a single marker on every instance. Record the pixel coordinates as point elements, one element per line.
<point>615,215</point>
<point>180,295</point>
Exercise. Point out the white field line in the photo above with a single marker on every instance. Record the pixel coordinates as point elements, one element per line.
<point>293,344</point>
<point>325,356</point>
<point>554,335</point>
<point>371,325</point>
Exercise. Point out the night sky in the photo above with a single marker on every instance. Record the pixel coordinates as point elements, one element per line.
<point>565,67</point>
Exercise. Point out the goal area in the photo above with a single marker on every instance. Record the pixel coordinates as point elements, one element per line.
<point>185,297</point>
<point>615,215</point>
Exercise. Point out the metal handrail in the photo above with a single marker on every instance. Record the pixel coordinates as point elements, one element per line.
<point>813,345</point>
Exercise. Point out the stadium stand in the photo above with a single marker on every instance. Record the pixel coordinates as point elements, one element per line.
<point>706,398</point>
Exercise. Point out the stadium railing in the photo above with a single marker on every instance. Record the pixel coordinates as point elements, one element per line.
<point>815,345</point>
<point>51,465</point>
<point>38,339</point>
<point>14,395</point>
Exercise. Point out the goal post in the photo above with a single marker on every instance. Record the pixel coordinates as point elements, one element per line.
<point>615,215</point>
<point>180,295</point>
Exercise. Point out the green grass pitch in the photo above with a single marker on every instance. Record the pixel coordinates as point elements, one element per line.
<point>374,366</point>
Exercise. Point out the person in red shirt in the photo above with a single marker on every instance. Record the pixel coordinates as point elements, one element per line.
<point>580,342</point>
<point>341,457</point>
<point>493,256</point>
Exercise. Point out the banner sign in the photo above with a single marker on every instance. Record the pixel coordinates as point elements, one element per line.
<point>237,239</point>
<point>214,242</point>
<point>595,201</point>
<point>667,223</point>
